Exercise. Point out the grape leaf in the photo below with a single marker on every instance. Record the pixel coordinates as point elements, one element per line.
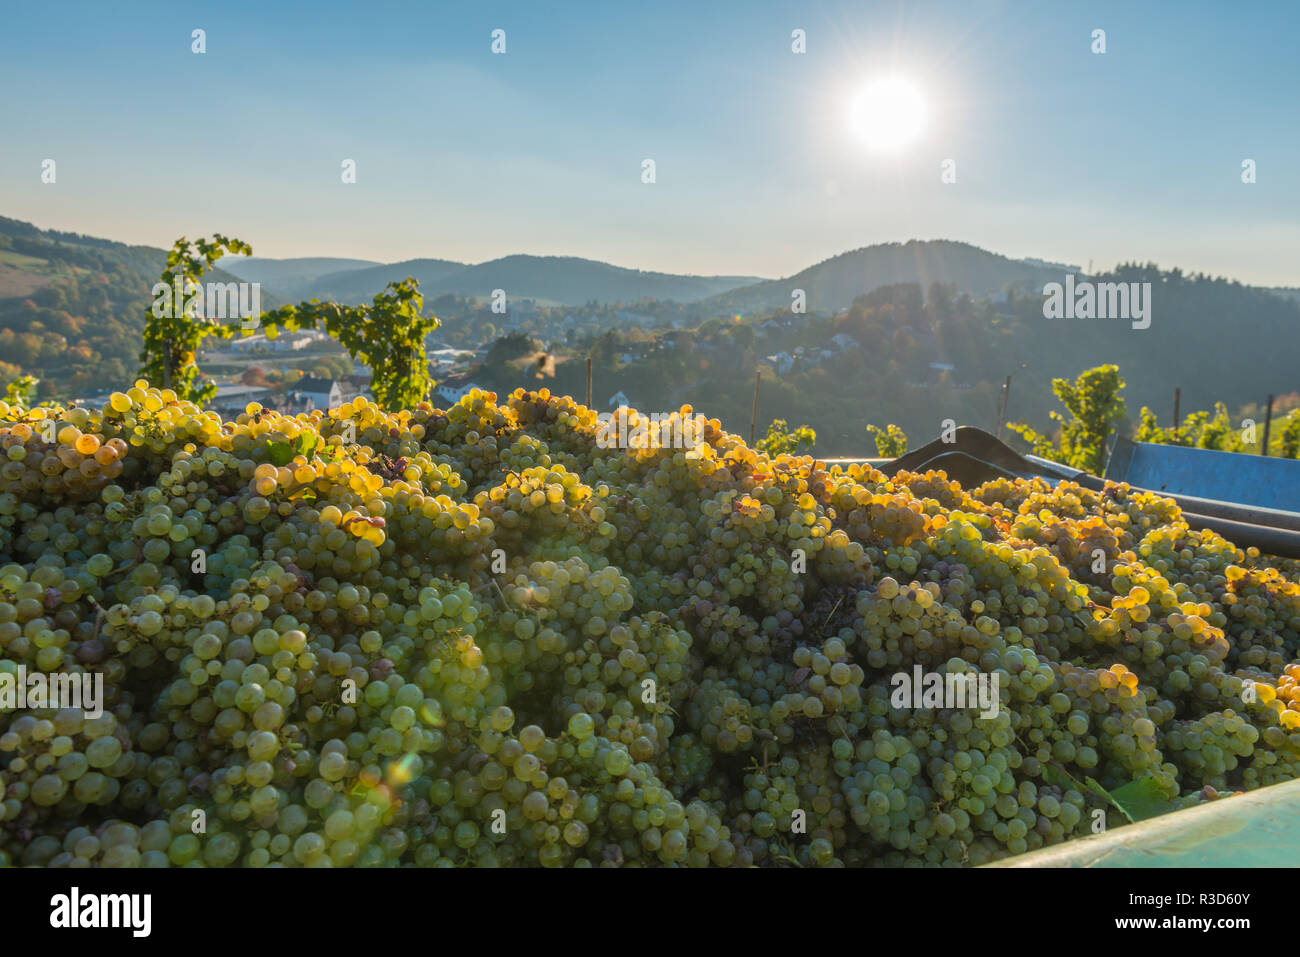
<point>1137,800</point>
<point>281,453</point>
<point>1142,799</point>
<point>305,443</point>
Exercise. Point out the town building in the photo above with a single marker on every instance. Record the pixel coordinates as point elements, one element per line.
<point>324,393</point>
<point>233,398</point>
<point>454,389</point>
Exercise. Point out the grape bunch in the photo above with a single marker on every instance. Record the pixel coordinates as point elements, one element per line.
<point>479,636</point>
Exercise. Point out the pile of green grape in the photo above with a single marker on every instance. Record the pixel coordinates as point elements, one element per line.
<point>474,637</point>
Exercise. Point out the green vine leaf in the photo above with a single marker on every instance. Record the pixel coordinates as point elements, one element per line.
<point>305,443</point>
<point>281,453</point>
<point>1138,800</point>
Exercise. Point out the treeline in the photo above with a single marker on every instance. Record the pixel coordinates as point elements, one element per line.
<point>81,331</point>
<point>903,354</point>
<point>885,359</point>
<point>1085,431</point>
<point>922,358</point>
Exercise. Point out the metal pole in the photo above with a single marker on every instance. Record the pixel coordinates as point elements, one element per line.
<point>753,420</point>
<point>1178,396</point>
<point>1268,420</point>
<point>1002,412</point>
<point>589,382</point>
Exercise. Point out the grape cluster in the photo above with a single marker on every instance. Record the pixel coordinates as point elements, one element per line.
<point>478,637</point>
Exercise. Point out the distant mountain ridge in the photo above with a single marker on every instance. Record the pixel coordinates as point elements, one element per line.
<point>829,285</point>
<point>573,281</point>
<point>287,274</point>
<point>354,285</point>
<point>72,307</point>
<point>568,280</point>
<point>834,283</point>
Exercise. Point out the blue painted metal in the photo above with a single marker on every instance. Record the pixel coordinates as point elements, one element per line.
<point>1224,476</point>
<point>1258,828</point>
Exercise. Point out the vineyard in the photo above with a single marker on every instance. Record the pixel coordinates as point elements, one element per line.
<point>474,637</point>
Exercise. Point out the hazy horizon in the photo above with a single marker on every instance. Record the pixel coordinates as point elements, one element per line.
<point>1098,268</point>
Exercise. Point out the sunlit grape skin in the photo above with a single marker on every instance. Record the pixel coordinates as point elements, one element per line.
<point>352,678</point>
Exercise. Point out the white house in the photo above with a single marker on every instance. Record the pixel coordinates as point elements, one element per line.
<point>943,367</point>
<point>451,393</point>
<point>844,342</point>
<point>324,393</point>
<point>618,399</point>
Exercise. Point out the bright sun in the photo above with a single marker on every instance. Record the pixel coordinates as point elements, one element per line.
<point>888,113</point>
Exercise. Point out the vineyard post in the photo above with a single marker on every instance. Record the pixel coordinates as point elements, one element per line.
<point>410,367</point>
<point>589,382</point>
<point>753,419</point>
<point>169,344</point>
<point>1178,395</point>
<point>1002,408</point>
<point>1268,420</point>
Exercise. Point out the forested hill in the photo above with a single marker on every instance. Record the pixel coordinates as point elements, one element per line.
<point>567,280</point>
<point>289,276</point>
<point>72,307</point>
<point>915,358</point>
<point>834,283</point>
<point>72,311</point>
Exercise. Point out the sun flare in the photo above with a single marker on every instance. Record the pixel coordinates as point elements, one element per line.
<point>888,113</point>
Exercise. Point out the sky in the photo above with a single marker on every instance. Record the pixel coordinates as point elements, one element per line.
<point>1060,153</point>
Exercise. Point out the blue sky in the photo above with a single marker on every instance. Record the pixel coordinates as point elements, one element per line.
<point>461,154</point>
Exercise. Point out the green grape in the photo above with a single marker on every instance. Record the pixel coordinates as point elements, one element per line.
<point>354,679</point>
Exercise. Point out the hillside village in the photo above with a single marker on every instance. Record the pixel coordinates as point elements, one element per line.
<point>909,333</point>
<point>636,353</point>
